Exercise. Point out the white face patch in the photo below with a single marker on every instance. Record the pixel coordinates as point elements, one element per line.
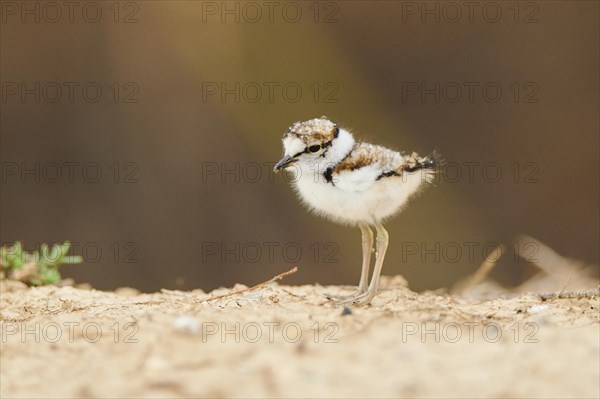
<point>292,145</point>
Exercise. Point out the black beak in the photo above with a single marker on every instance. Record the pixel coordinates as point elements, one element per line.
<point>287,160</point>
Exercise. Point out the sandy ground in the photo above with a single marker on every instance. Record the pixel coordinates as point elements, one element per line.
<point>293,342</point>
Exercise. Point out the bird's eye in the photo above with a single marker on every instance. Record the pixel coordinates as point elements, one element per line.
<point>314,148</point>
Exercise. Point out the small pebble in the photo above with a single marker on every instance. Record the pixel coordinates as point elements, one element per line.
<point>346,311</point>
<point>537,308</point>
<point>186,324</point>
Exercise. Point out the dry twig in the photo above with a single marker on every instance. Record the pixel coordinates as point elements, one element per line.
<point>276,278</point>
<point>484,269</point>
<point>571,294</point>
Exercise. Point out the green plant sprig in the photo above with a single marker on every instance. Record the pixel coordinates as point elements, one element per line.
<point>47,260</point>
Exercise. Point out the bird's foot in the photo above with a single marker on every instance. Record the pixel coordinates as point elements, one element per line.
<point>336,297</point>
<point>358,298</point>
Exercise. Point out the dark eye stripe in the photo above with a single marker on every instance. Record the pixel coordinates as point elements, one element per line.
<point>307,149</point>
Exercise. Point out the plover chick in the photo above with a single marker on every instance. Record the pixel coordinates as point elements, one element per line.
<point>354,183</point>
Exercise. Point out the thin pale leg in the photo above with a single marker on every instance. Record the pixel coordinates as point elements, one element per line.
<point>367,248</point>
<point>382,244</point>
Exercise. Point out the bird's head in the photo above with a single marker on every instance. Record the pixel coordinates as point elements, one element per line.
<point>307,142</point>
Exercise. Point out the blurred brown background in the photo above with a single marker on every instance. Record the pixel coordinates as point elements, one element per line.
<point>186,197</point>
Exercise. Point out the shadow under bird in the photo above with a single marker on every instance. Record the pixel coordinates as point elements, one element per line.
<point>354,183</point>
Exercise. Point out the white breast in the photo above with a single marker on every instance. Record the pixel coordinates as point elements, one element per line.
<point>356,196</point>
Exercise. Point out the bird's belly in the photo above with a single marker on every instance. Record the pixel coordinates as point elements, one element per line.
<point>383,199</point>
